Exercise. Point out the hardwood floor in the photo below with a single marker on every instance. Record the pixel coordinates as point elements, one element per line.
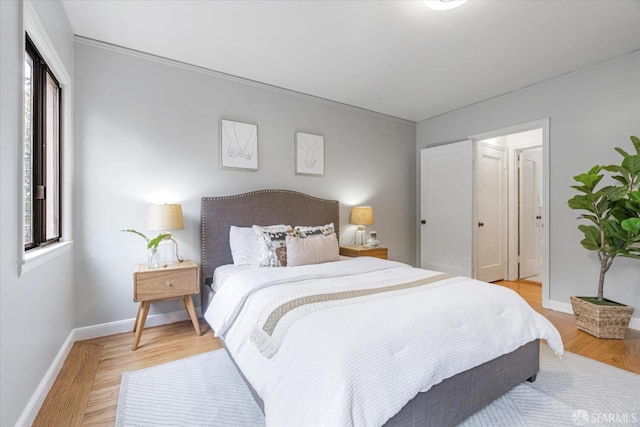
<point>73,388</point>
<point>178,340</point>
<point>624,354</point>
<point>158,345</point>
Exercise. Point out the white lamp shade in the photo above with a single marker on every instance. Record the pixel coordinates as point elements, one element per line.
<point>362,215</point>
<point>165,217</point>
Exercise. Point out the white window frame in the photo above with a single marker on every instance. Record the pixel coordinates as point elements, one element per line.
<point>29,260</point>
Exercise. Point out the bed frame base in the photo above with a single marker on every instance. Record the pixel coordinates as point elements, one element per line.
<point>456,398</point>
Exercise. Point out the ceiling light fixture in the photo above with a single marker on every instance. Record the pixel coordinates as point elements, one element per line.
<point>444,4</point>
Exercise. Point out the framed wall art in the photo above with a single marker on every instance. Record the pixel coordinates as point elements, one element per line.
<point>238,145</point>
<point>309,154</point>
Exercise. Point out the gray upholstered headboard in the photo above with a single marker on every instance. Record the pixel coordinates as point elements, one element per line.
<point>263,207</point>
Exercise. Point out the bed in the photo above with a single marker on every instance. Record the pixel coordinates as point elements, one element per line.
<point>448,402</point>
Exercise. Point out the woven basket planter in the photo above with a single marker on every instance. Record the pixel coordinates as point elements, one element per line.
<point>601,321</point>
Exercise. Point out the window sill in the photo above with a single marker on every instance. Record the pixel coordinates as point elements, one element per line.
<point>37,257</point>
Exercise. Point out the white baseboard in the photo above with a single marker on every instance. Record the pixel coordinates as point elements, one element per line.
<point>31,410</point>
<point>120,326</point>
<point>33,406</point>
<point>565,307</point>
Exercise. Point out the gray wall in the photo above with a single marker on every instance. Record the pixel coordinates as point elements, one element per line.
<point>36,311</point>
<point>147,132</point>
<point>591,112</point>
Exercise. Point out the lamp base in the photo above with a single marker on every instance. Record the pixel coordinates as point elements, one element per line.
<point>360,231</point>
<point>167,251</point>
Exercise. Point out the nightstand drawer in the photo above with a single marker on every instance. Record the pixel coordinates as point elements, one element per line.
<point>165,283</point>
<point>356,251</point>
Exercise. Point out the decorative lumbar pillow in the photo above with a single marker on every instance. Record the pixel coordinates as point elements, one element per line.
<point>244,246</point>
<point>272,244</point>
<point>312,250</point>
<point>305,231</point>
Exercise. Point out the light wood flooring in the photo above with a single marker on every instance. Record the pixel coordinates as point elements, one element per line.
<point>624,354</point>
<point>86,390</point>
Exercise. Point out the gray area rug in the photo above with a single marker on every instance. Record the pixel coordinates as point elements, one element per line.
<point>206,390</point>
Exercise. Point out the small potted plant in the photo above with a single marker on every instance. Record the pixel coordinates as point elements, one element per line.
<point>613,229</point>
<point>152,246</point>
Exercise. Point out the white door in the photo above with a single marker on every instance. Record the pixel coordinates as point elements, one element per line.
<point>530,213</point>
<point>446,208</point>
<point>491,213</point>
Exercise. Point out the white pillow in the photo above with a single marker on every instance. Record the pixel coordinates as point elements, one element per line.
<point>244,246</point>
<point>271,242</point>
<point>312,250</point>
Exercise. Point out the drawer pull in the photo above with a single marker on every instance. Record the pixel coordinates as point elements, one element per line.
<point>168,283</point>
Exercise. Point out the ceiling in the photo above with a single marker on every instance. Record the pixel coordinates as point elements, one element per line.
<point>394,57</point>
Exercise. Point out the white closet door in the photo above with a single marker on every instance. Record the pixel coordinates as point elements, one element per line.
<point>446,208</point>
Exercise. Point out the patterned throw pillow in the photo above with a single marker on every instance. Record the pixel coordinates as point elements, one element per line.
<point>304,231</point>
<point>272,242</point>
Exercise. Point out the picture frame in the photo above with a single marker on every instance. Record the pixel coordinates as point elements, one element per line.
<point>309,154</point>
<point>238,145</point>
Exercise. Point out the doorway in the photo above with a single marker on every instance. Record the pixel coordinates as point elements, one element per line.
<point>509,207</point>
<point>448,202</point>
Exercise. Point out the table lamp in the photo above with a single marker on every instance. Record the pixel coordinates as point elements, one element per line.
<point>361,216</point>
<point>165,218</point>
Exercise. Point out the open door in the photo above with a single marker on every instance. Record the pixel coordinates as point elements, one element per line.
<point>530,213</point>
<point>491,212</point>
<point>446,208</point>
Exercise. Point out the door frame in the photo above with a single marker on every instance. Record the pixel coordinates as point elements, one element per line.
<point>523,127</point>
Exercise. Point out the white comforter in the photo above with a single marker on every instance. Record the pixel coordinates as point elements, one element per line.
<point>360,362</point>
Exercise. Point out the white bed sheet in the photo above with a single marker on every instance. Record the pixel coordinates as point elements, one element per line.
<point>328,374</point>
<point>222,273</point>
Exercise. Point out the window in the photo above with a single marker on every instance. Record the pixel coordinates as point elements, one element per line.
<point>42,98</point>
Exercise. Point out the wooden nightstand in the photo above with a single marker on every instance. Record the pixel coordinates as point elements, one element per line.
<point>179,280</point>
<point>356,251</point>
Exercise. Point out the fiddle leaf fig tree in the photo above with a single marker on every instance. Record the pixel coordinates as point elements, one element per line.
<point>612,212</point>
<point>628,174</point>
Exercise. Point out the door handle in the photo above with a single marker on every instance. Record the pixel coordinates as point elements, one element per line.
<point>481,224</point>
<point>538,217</point>
<point>424,221</point>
